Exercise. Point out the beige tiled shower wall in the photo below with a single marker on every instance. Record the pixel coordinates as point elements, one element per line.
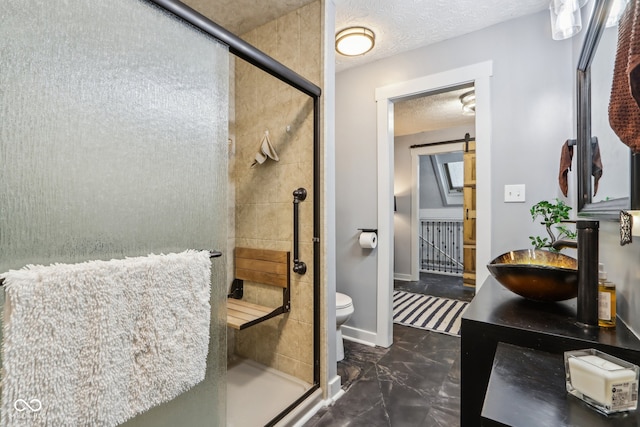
<point>264,193</point>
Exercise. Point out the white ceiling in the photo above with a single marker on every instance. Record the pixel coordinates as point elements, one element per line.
<point>403,25</point>
<point>399,26</point>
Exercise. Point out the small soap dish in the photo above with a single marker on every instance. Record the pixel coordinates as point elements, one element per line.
<point>603,381</point>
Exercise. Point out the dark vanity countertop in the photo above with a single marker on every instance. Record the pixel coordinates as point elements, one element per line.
<point>527,388</point>
<point>497,306</point>
<point>497,315</point>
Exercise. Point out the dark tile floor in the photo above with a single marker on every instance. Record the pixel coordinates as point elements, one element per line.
<point>415,382</point>
<point>437,285</point>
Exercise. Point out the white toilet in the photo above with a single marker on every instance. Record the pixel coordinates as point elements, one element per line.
<point>344,310</point>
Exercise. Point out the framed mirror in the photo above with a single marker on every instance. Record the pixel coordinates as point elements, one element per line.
<point>617,189</point>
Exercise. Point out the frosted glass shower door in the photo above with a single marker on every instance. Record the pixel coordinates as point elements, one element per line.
<point>113,143</point>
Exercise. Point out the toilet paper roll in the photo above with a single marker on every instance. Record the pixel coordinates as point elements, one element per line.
<point>368,240</point>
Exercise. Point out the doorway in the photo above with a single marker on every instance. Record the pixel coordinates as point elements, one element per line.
<point>440,230</point>
<point>386,97</point>
<point>429,178</point>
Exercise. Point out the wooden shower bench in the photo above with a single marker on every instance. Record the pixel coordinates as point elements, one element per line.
<point>263,266</point>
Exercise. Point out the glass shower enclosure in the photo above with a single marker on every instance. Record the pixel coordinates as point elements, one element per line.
<point>113,143</point>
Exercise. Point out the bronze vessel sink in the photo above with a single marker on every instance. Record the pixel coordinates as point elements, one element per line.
<point>536,274</point>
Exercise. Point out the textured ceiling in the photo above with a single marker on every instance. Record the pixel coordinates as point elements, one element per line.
<point>399,25</point>
<point>402,25</point>
<point>430,112</point>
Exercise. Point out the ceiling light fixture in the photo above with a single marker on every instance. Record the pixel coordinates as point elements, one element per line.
<point>354,41</point>
<point>468,100</point>
<point>565,18</point>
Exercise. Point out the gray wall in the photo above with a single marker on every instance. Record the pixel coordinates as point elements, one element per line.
<point>430,197</point>
<point>532,102</point>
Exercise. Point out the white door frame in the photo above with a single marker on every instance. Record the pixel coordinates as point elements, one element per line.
<point>478,74</point>
<point>415,197</point>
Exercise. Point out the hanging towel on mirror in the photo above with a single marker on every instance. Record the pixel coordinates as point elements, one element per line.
<point>566,155</point>
<point>596,163</point>
<point>624,112</point>
<point>95,343</point>
<point>266,151</point>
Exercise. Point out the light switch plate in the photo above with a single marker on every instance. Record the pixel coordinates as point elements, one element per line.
<point>514,193</point>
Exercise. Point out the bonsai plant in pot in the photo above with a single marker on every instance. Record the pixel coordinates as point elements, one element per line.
<point>551,214</point>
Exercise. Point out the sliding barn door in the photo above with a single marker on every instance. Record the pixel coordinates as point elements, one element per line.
<point>469,219</point>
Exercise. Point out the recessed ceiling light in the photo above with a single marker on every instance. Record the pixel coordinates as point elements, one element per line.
<point>468,100</point>
<point>355,41</point>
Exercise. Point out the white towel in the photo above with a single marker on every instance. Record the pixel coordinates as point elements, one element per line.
<point>265,151</point>
<point>94,344</point>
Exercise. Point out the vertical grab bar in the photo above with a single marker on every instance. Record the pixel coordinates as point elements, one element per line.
<point>299,195</point>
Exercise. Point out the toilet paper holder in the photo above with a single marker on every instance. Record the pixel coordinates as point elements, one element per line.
<point>368,239</point>
<point>369,230</point>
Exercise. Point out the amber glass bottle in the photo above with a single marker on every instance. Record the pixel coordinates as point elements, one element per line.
<point>606,300</point>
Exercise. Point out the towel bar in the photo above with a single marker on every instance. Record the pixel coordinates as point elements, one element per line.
<point>212,254</point>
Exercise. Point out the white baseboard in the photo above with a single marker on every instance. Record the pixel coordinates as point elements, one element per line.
<point>335,387</point>
<point>337,396</point>
<point>358,335</point>
<point>403,277</point>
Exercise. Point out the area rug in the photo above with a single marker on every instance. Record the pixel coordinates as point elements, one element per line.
<point>427,312</point>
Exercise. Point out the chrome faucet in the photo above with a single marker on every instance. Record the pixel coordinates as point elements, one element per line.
<point>587,245</point>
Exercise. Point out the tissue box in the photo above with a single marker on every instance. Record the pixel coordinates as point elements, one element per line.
<point>605,382</point>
